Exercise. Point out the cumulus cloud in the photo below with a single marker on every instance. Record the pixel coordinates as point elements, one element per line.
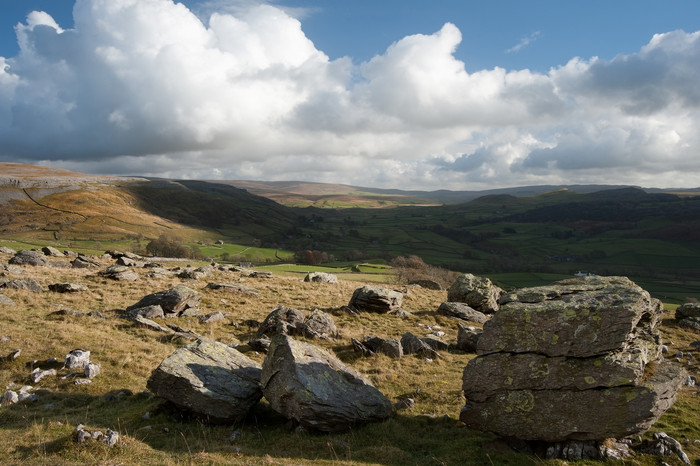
<point>149,87</point>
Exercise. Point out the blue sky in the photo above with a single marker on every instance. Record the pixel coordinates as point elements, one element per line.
<point>392,93</point>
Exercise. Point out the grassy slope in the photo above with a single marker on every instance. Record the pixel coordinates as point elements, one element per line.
<point>40,433</point>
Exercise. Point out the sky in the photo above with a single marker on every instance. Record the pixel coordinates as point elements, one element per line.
<point>408,94</point>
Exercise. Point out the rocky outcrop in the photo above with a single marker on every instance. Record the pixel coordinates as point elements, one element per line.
<point>119,273</point>
<point>551,354</point>
<point>209,379</point>
<point>310,386</point>
<point>376,299</point>
<point>177,300</point>
<point>462,311</point>
<point>478,292</point>
<point>321,277</point>
<point>29,257</point>
<point>28,284</point>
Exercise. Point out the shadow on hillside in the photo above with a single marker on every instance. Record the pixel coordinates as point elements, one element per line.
<point>264,434</point>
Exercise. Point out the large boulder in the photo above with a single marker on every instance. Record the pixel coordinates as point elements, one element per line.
<point>29,257</point>
<point>209,379</point>
<point>551,354</point>
<point>688,315</point>
<point>310,386</point>
<point>173,301</point>
<point>119,273</point>
<point>376,299</point>
<point>478,292</point>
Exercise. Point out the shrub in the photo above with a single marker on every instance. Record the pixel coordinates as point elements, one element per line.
<point>167,246</point>
<point>411,268</point>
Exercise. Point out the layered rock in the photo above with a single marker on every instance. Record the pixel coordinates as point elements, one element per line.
<point>376,299</point>
<point>478,292</point>
<point>576,360</point>
<point>310,386</point>
<point>688,315</point>
<point>209,379</point>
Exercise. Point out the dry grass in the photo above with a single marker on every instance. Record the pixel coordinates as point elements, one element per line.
<point>40,432</point>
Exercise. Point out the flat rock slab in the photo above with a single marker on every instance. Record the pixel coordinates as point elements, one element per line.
<point>462,311</point>
<point>312,387</point>
<point>559,415</point>
<point>581,317</point>
<point>209,379</point>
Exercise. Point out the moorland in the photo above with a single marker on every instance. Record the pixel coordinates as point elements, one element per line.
<point>516,240</point>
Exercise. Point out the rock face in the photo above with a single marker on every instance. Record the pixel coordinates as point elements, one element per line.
<point>310,386</point>
<point>173,301</point>
<point>210,379</point>
<point>29,257</point>
<point>478,292</point>
<point>576,360</point>
<point>376,299</point>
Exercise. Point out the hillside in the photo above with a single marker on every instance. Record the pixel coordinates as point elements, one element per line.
<point>651,237</point>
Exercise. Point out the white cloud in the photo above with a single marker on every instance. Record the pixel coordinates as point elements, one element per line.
<point>148,87</point>
<point>524,42</point>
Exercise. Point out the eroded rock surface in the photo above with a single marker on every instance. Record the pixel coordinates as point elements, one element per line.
<point>576,360</point>
<point>478,292</point>
<point>376,299</point>
<point>307,384</point>
<point>210,379</point>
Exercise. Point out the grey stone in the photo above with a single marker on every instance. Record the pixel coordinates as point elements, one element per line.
<point>67,287</point>
<point>28,284</point>
<point>175,300</point>
<point>388,346</point>
<point>38,374</point>
<point>29,257</point>
<point>376,299</point>
<point>92,370</point>
<point>577,360</point>
<point>51,251</point>
<point>6,250</point>
<point>284,320</point>
<point>478,292</point>
<point>468,338</point>
<point>321,277</point>
<point>209,379</point>
<point>153,311</point>
<point>411,344</point>
<point>688,310</point>
<point>236,288</point>
<point>148,323</point>
<point>319,324</point>
<point>211,318</point>
<point>77,359</point>
<point>85,262</point>
<point>462,311</point>
<point>5,301</point>
<point>427,284</point>
<point>119,273</point>
<point>310,386</point>
<point>10,397</point>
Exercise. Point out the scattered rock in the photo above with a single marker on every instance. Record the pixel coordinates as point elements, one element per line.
<point>468,337</point>
<point>77,359</point>
<point>235,288</point>
<point>321,277</point>
<point>6,250</point>
<point>149,312</point>
<point>688,315</point>
<point>10,397</point>
<point>119,273</point>
<point>126,262</point>
<point>404,403</point>
<point>308,385</point>
<point>85,262</point>
<point>211,318</point>
<point>14,354</point>
<point>478,292</point>
<point>5,301</point>
<point>411,344</point>
<point>388,346</point>
<point>663,445</point>
<point>148,323</point>
<point>38,374</point>
<point>173,301</point>
<point>319,324</point>
<point>195,274</point>
<point>29,257</point>
<point>51,251</point>
<point>67,287</point>
<point>462,311</point>
<point>209,379</point>
<point>282,319</point>
<point>28,284</point>
<point>551,353</point>
<point>376,299</point>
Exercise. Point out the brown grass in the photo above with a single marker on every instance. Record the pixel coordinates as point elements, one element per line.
<point>117,399</point>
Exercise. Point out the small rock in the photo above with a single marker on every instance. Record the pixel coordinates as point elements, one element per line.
<point>77,359</point>
<point>92,370</point>
<point>38,374</point>
<point>10,397</point>
<point>82,382</point>
<point>404,403</point>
